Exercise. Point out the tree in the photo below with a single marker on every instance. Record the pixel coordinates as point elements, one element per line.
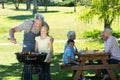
<point>35,6</point>
<point>16,3</point>
<point>28,4</point>
<point>2,4</point>
<point>45,5</point>
<point>106,10</point>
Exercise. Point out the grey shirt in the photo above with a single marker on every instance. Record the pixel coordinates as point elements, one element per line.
<point>26,26</point>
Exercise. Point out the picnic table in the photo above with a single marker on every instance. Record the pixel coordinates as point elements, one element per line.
<point>94,56</point>
<point>91,57</point>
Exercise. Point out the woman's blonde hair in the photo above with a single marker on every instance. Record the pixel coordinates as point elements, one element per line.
<point>47,29</point>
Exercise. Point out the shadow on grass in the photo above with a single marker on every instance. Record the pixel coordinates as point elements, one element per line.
<point>55,11</point>
<point>56,73</point>
<point>19,9</point>
<point>21,17</point>
<point>15,70</point>
<point>69,12</point>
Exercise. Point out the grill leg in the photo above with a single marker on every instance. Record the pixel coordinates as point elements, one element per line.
<point>22,75</point>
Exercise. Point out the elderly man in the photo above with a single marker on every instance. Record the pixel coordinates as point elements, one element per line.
<point>111,47</point>
<point>31,29</point>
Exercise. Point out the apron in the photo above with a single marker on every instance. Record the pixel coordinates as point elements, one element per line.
<point>29,41</point>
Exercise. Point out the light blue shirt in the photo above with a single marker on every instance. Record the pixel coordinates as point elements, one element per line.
<point>69,52</point>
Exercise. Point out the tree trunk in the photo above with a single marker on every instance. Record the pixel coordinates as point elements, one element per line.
<point>45,4</point>
<point>17,2</point>
<point>28,4</point>
<point>3,4</point>
<point>74,5</point>
<point>107,24</point>
<point>35,6</point>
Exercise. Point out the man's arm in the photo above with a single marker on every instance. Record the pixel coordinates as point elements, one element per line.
<point>108,45</point>
<point>11,34</point>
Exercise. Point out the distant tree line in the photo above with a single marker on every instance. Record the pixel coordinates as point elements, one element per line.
<point>44,3</point>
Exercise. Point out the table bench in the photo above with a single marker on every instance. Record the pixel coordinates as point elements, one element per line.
<point>83,66</point>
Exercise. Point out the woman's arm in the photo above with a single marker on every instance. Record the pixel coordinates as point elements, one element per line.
<point>36,47</point>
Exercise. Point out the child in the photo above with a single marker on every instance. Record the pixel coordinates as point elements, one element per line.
<point>69,54</point>
<point>43,44</point>
<point>69,57</point>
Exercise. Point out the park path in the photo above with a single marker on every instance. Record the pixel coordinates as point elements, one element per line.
<point>57,41</point>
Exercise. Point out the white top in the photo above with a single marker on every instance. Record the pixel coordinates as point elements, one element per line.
<point>43,46</point>
<point>111,46</point>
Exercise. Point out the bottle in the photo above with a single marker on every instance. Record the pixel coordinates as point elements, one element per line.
<point>29,53</point>
<point>86,50</point>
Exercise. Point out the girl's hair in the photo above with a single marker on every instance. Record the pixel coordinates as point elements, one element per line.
<point>45,27</point>
<point>70,41</point>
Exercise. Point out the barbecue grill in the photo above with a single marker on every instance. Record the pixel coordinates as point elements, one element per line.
<point>26,58</point>
<point>33,61</point>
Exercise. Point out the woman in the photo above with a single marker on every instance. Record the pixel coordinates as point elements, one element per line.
<point>71,36</point>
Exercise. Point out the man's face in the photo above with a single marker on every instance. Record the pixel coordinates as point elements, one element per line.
<point>104,36</point>
<point>38,24</point>
<point>71,44</point>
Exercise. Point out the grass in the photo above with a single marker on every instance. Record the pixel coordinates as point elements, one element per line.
<point>61,20</point>
<point>10,69</point>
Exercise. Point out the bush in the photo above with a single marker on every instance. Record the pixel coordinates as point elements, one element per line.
<point>95,34</point>
<point>116,34</point>
<point>67,3</point>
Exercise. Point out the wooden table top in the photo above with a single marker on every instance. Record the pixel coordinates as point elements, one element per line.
<point>93,56</point>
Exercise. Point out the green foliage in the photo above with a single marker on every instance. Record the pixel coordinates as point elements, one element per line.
<point>107,10</point>
<point>91,34</point>
<point>67,3</point>
<point>95,34</point>
<point>85,2</point>
<point>116,34</point>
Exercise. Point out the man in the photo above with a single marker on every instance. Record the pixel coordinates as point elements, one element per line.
<point>111,47</point>
<point>31,29</point>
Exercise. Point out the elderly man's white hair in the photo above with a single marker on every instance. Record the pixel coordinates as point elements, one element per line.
<point>108,30</point>
<point>70,33</point>
<point>39,16</point>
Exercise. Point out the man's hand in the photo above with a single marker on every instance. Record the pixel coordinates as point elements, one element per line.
<point>51,39</point>
<point>98,51</point>
<point>77,63</point>
<point>13,40</point>
<point>11,34</point>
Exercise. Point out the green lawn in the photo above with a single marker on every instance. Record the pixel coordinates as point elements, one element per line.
<point>61,20</point>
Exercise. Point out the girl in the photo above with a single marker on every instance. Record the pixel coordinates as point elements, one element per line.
<point>43,44</point>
